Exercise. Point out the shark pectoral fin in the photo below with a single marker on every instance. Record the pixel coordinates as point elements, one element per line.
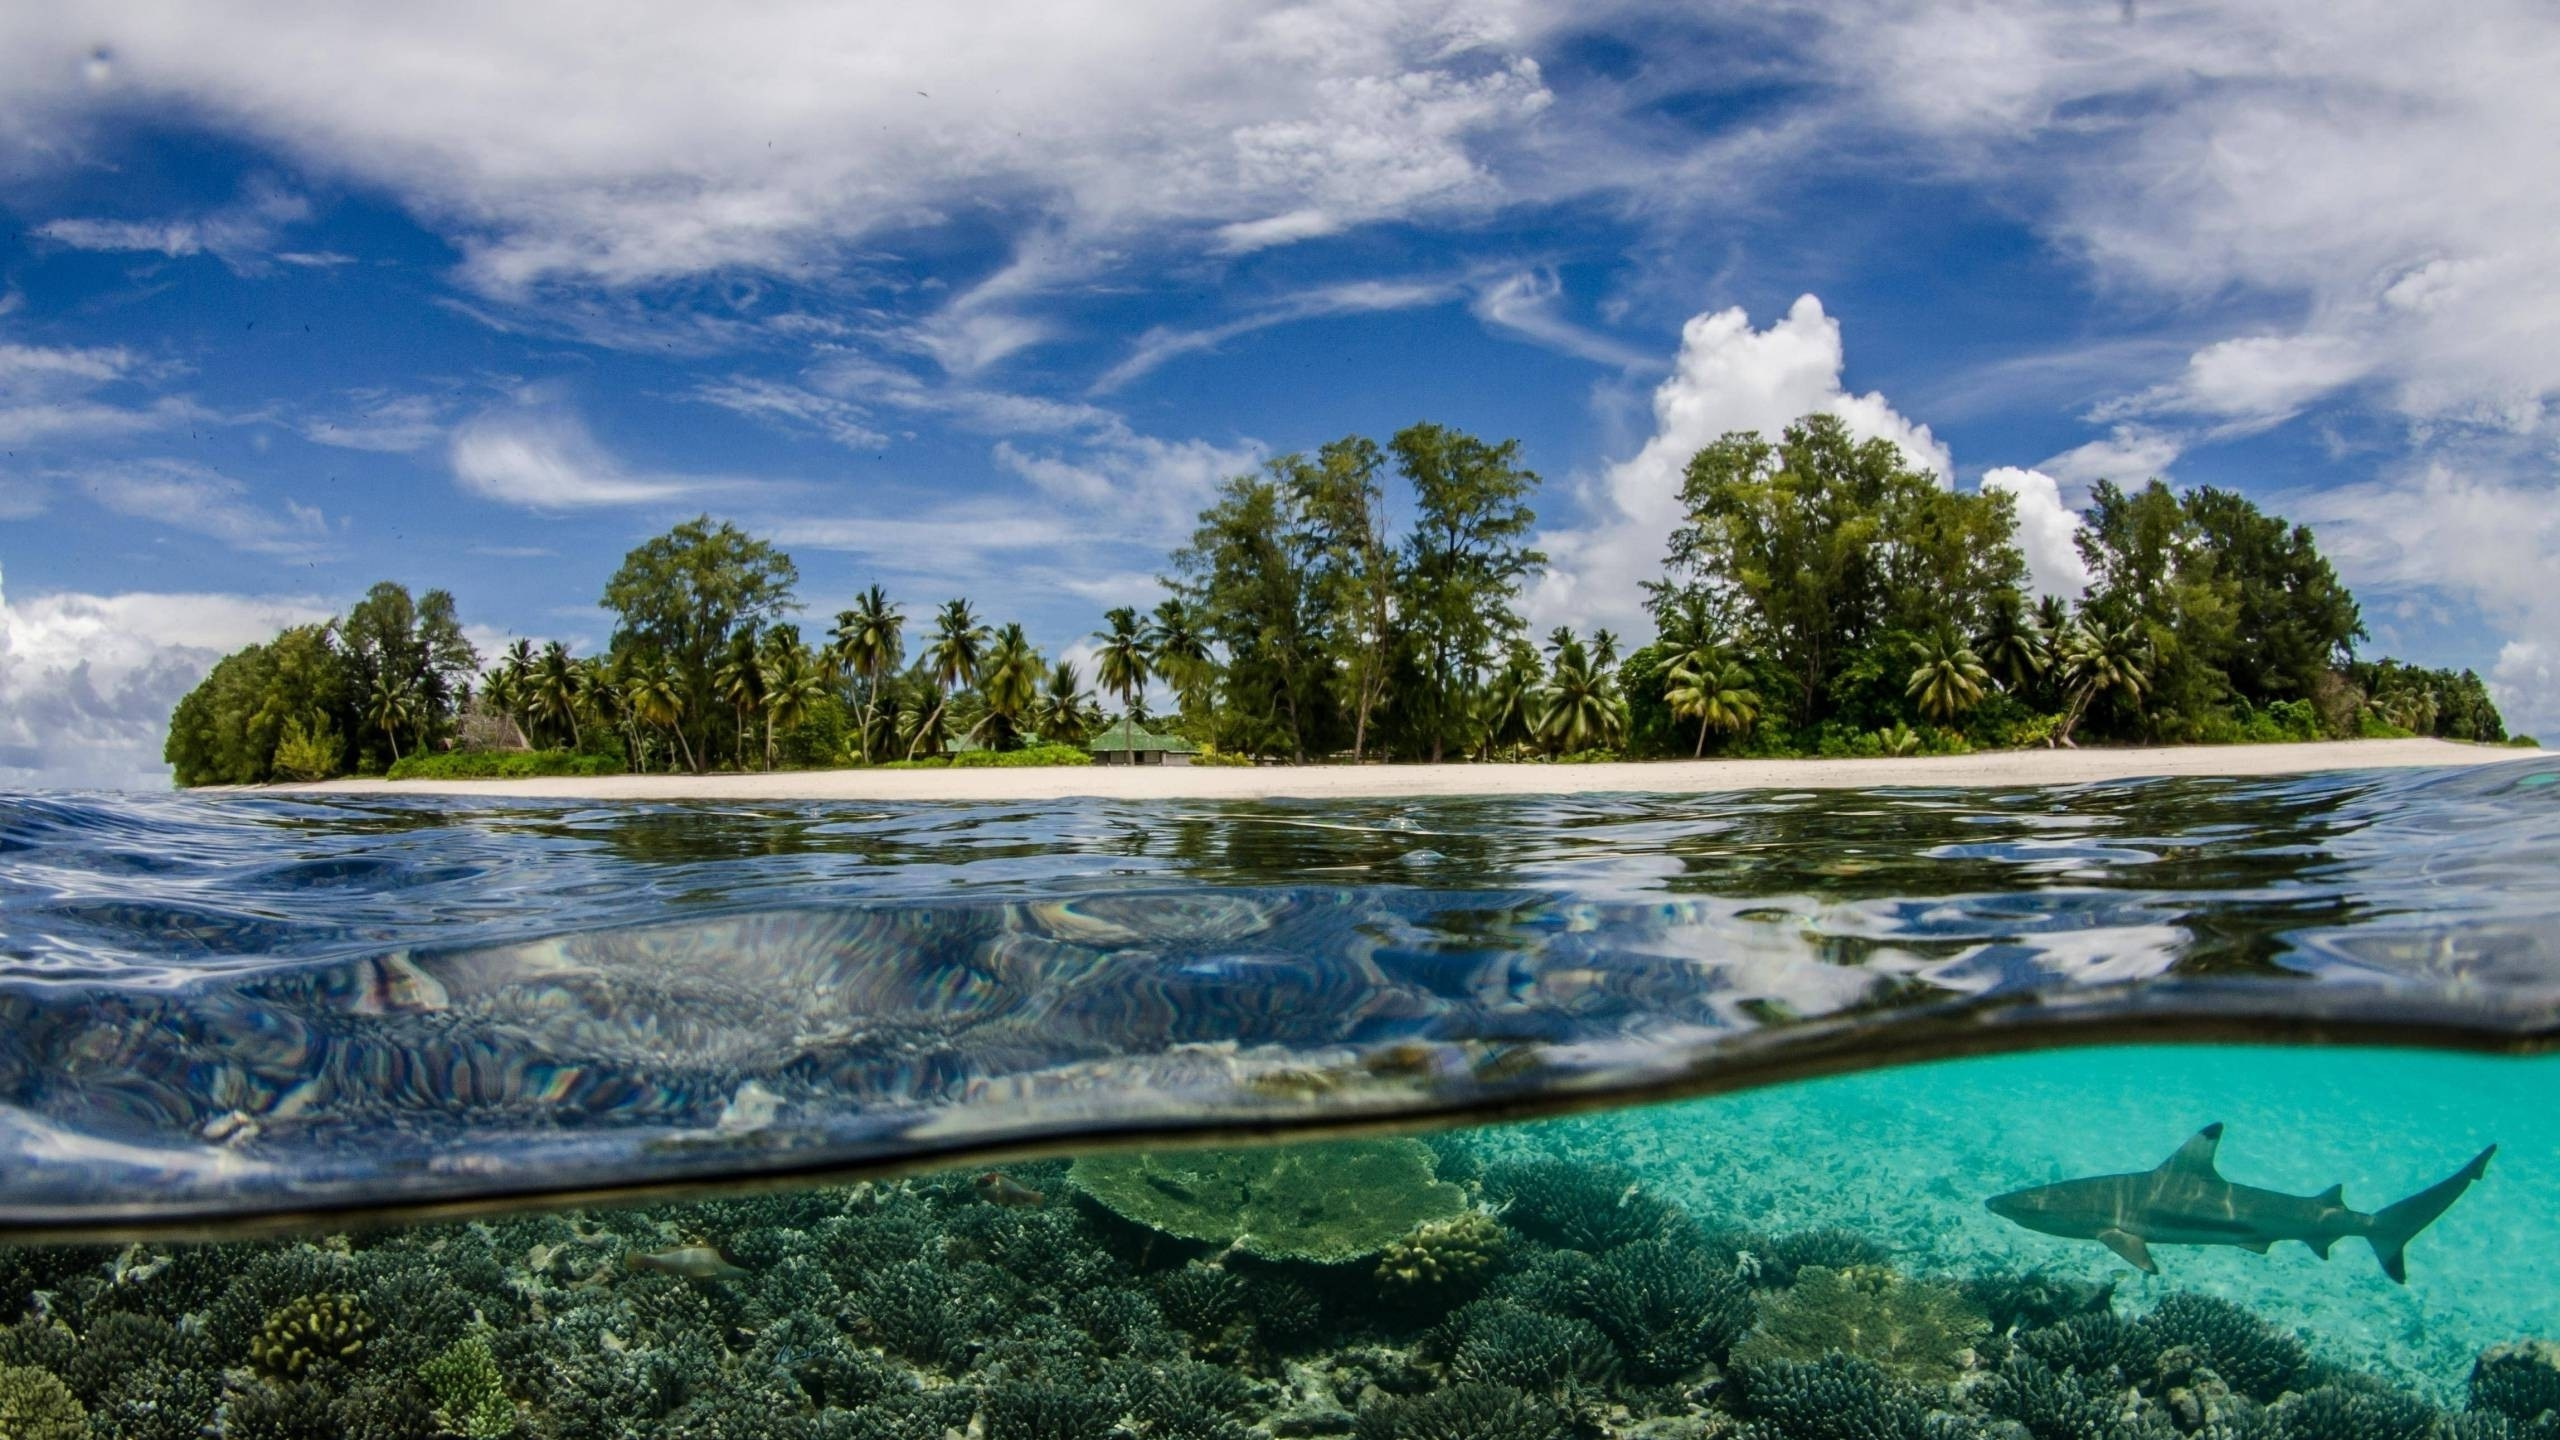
<point>2261,1246</point>
<point>2320,1244</point>
<point>2129,1246</point>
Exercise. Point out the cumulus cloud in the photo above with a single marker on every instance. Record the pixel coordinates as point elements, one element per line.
<point>539,458</point>
<point>188,496</point>
<point>87,681</point>
<point>1728,377</point>
<point>2046,530</point>
<point>2129,455</point>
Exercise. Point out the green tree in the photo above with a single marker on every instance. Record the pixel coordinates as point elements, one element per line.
<point>1181,652</point>
<point>657,694</point>
<point>1351,562</point>
<point>1715,691</point>
<point>1124,666</point>
<point>1580,708</point>
<point>739,680</point>
<point>1009,686</point>
<point>1064,711</point>
<point>2098,659</point>
<point>1244,578</point>
<point>1949,679</point>
<point>951,662</point>
<point>682,596</point>
<point>557,691</point>
<point>1464,561</point>
<point>792,682</point>
<point>391,706</point>
<point>2014,648</point>
<point>2292,623</point>
<point>1508,706</point>
<point>869,641</point>
<point>414,647</point>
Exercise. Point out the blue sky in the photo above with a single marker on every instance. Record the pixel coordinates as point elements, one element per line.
<point>483,297</point>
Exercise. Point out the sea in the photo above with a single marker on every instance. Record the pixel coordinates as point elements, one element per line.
<point>1902,1114</point>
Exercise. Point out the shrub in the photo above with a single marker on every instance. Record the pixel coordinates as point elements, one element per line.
<point>1224,758</point>
<point>308,752</point>
<point>500,765</point>
<point>2524,742</point>
<point>1028,755</point>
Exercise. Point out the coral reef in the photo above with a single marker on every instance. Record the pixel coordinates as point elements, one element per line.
<point>1345,1200</point>
<point>1912,1329</point>
<point>916,1309</point>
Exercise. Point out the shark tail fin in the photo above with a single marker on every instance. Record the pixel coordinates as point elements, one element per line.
<point>2396,1224</point>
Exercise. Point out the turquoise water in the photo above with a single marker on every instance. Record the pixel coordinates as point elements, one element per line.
<point>432,1118</point>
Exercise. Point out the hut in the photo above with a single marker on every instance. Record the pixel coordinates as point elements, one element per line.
<point>1128,745</point>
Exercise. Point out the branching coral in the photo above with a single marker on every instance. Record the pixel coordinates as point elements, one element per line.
<point>36,1405</point>
<point>1460,1412</point>
<point>1456,1252</point>
<point>1921,1330</point>
<point>2521,1382</point>
<point>1830,1248</point>
<point>1550,1355</point>
<point>1325,1203</point>
<point>2251,1356</point>
<point>2353,1411</point>
<point>306,1331</point>
<point>1838,1397</point>
<point>1581,1207</point>
<point>2055,1405</point>
<point>1668,1306</point>
<point>469,1394</point>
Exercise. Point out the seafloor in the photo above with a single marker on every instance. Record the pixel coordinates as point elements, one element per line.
<point>1804,1264</point>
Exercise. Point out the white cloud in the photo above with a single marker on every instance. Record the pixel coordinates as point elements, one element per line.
<point>541,458</point>
<point>2129,455</point>
<point>1162,343</point>
<point>2046,529</point>
<point>242,235</point>
<point>1527,304</point>
<point>800,127</point>
<point>386,424</point>
<point>2526,684</point>
<point>188,496</point>
<point>53,394</point>
<point>87,681</point>
<point>1728,377</point>
<point>792,407</point>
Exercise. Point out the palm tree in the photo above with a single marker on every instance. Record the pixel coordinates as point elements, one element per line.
<point>1507,710</point>
<point>2097,658</point>
<point>1009,682</point>
<point>392,704</point>
<point>1604,649</point>
<point>869,640</point>
<point>555,689</point>
<point>1064,706</point>
<point>1123,665</point>
<point>498,697</point>
<point>518,668</point>
<point>1181,655</point>
<point>739,679</point>
<point>1949,678</point>
<point>1580,706</point>
<point>951,660</point>
<point>1715,691</point>
<point>656,694</point>
<point>2012,645</point>
<point>790,680</point>
<point>2053,621</point>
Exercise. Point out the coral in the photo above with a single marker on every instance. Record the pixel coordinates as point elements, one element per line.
<point>2098,1346</point>
<point>1541,1354</point>
<point>1830,1249</point>
<point>1669,1307</point>
<point>1188,1401</point>
<point>2054,1405</point>
<point>1119,1323</point>
<point>1453,1252</point>
<point>36,1405</point>
<point>1459,1412</point>
<point>158,1401</point>
<point>2521,1382</point>
<point>38,1345</point>
<point>1286,1315</point>
<point>2250,1355</point>
<point>1838,1397</point>
<point>1920,1330</point>
<point>1581,1207</point>
<point>2034,1300</point>
<point>2353,1411</point>
<point>1199,1298</point>
<point>309,1330</point>
<point>468,1392</point>
<point>921,1310</point>
<point>114,1345</point>
<point>1327,1203</point>
<point>1036,1411</point>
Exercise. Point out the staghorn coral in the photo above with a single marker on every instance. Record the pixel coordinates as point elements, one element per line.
<point>1921,1330</point>
<point>2055,1405</point>
<point>2359,1409</point>
<point>1459,1412</point>
<point>1040,1411</point>
<point>1539,1354</point>
<point>1580,1207</point>
<point>1830,1248</point>
<point>467,1390</point>
<point>1446,1253</point>
<point>2520,1381</point>
<point>1186,1400</point>
<point>2102,1347</point>
<point>310,1330</point>
<point>1328,1203</point>
<point>1838,1397</point>
<point>36,1405</point>
<point>1669,1307</point>
<point>2253,1357</point>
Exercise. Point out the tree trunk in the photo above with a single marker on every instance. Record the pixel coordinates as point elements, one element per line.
<point>925,729</point>
<point>1702,739</point>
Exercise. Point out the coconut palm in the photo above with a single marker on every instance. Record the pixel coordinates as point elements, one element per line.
<point>2013,646</point>
<point>498,697</point>
<point>1949,678</point>
<point>739,679</point>
<point>1009,683</point>
<point>555,689</point>
<point>869,641</point>
<point>391,705</point>
<point>1181,655</point>
<point>1604,649</point>
<point>1065,708</point>
<point>791,678</point>
<point>656,695</point>
<point>1705,686</point>
<point>1506,710</point>
<point>1124,665</point>
<point>951,661</point>
<point>1580,707</point>
<point>2097,658</point>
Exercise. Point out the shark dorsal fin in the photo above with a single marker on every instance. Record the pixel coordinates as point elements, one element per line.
<point>2196,1156</point>
<point>2334,1195</point>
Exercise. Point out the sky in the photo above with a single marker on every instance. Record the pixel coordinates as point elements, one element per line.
<point>984,300</point>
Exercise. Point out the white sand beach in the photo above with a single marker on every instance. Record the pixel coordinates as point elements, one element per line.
<point>1319,782</point>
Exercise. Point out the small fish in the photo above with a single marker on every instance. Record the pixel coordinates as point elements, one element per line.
<point>693,1262</point>
<point>997,1188</point>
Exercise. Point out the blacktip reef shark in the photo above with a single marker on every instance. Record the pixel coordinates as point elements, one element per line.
<point>2187,1202</point>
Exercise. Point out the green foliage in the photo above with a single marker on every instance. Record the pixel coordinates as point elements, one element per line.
<point>679,600</point>
<point>36,1405</point>
<point>499,765</point>
<point>2524,742</point>
<point>225,731</point>
<point>1324,1202</point>
<point>1029,755</point>
<point>308,751</point>
<point>1919,1330</point>
<point>1463,563</point>
<point>469,1393</point>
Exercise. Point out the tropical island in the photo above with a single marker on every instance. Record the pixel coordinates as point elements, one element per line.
<point>1821,599</point>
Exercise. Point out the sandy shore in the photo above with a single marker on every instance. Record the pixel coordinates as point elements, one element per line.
<point>2022,767</point>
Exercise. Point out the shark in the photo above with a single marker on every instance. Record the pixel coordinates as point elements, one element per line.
<point>2185,1201</point>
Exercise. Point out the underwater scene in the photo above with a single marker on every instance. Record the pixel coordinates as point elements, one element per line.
<point>2147,1109</point>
